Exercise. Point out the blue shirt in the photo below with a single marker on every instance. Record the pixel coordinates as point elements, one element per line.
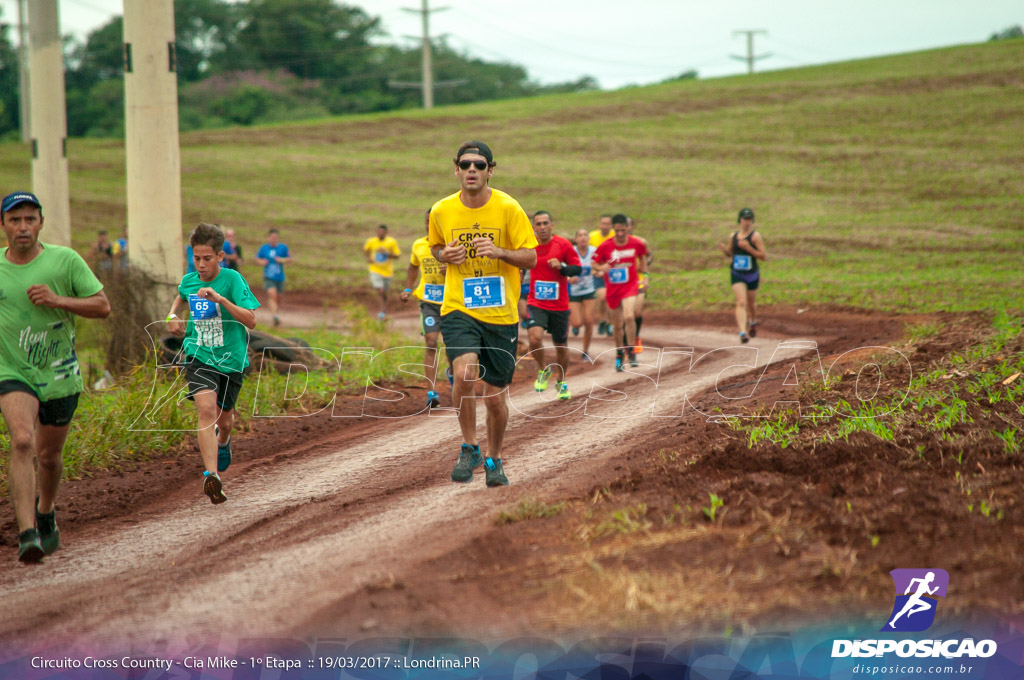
<point>273,270</point>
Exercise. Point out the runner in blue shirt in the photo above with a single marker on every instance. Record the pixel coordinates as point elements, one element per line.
<point>744,248</point>
<point>273,255</point>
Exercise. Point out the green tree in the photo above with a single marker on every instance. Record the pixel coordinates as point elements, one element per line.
<point>9,118</point>
<point>310,38</point>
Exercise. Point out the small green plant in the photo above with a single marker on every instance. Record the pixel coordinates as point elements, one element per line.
<point>529,507</point>
<point>1009,437</point>
<point>775,431</point>
<point>716,502</point>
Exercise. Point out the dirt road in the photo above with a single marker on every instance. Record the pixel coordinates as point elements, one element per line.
<point>334,513</point>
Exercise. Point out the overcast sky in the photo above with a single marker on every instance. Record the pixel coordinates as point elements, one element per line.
<point>645,41</point>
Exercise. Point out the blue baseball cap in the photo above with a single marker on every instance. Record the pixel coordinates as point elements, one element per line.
<point>12,201</point>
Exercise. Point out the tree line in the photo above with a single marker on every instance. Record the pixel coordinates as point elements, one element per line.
<point>259,61</point>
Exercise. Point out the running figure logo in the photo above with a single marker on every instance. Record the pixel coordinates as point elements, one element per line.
<point>915,611</point>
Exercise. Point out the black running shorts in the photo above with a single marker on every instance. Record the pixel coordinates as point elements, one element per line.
<point>54,413</point>
<point>556,323</point>
<point>494,344</point>
<point>202,377</point>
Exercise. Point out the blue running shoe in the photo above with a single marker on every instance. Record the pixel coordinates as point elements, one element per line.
<point>433,400</point>
<point>494,473</point>
<point>469,458</point>
<point>223,455</point>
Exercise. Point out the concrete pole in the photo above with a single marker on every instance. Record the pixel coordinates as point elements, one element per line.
<point>49,121</point>
<point>23,108</point>
<point>152,155</point>
<point>428,68</point>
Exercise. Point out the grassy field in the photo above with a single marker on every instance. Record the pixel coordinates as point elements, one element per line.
<point>892,183</point>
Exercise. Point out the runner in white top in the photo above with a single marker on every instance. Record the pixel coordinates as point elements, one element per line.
<point>582,293</point>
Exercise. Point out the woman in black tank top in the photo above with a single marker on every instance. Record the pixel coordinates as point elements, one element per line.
<point>744,249</point>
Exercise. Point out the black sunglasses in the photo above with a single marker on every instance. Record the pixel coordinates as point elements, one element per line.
<point>479,165</point>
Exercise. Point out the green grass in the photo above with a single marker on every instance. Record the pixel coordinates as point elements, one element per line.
<point>889,183</point>
<point>145,414</point>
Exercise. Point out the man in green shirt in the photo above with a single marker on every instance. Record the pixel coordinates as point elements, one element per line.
<point>216,351</point>
<point>42,288</point>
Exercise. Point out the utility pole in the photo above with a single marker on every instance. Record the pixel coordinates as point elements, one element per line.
<point>23,107</point>
<point>750,58</point>
<point>152,154</point>
<point>426,83</point>
<point>49,120</point>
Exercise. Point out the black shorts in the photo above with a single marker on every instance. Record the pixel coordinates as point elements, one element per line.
<point>494,344</point>
<point>430,317</point>
<point>581,298</point>
<point>599,281</point>
<point>556,323</point>
<point>202,377</point>
<point>55,413</point>
<point>752,282</point>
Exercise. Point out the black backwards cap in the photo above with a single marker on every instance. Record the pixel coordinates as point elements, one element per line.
<point>476,147</point>
<point>745,214</point>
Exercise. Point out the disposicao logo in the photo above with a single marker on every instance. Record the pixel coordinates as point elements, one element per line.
<point>915,611</point>
<point>912,612</point>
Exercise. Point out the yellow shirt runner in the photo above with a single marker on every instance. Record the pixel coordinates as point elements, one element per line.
<point>486,289</point>
<point>431,285</point>
<point>379,248</point>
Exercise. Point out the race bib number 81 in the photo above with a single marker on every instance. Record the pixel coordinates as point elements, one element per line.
<point>483,292</point>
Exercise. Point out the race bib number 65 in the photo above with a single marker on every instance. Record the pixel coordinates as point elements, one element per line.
<point>201,308</point>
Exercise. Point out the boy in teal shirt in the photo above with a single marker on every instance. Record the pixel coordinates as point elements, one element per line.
<point>42,288</point>
<point>220,307</point>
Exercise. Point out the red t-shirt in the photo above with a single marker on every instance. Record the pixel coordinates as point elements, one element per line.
<point>555,297</point>
<point>622,280</point>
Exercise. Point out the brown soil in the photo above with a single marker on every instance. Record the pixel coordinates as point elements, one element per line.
<point>343,526</point>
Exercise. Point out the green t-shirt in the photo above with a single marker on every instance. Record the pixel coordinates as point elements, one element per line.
<point>212,335</point>
<point>37,344</point>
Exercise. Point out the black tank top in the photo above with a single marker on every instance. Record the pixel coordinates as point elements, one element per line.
<point>747,262</point>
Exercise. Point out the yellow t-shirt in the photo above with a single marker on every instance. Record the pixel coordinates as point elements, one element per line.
<point>596,239</point>
<point>486,289</point>
<point>379,247</point>
<point>430,268</point>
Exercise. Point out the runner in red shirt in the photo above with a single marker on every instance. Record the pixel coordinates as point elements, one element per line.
<point>622,260</point>
<point>548,302</point>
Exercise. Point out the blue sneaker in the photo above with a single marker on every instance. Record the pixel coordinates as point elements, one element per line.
<point>469,458</point>
<point>494,473</point>
<point>224,455</point>
<point>744,338</point>
<point>433,400</point>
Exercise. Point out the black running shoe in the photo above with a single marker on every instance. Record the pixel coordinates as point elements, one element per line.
<point>49,534</point>
<point>632,360</point>
<point>752,330</point>
<point>30,550</point>
<point>213,488</point>
<point>744,338</point>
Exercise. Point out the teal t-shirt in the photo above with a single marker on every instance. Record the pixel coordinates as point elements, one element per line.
<point>212,335</point>
<point>37,344</point>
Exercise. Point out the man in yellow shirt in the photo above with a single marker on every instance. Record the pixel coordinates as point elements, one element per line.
<point>430,293</point>
<point>484,237</point>
<point>380,250</point>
